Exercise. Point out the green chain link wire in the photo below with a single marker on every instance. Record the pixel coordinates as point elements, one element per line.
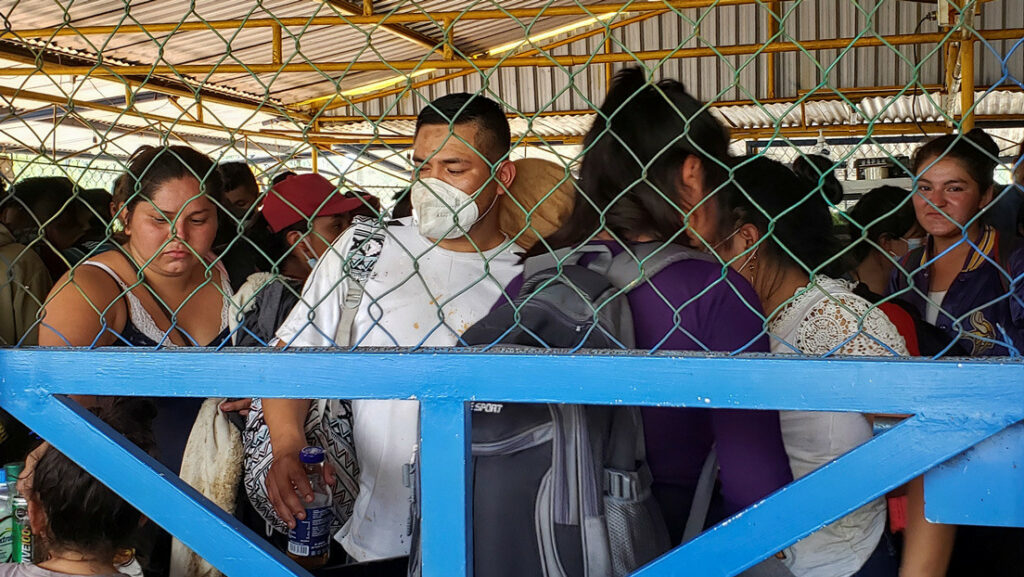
<point>196,110</point>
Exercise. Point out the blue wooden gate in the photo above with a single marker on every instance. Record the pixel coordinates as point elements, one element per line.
<point>956,405</point>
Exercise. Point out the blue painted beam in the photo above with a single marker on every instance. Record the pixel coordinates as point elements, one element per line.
<point>799,509</point>
<point>863,385</point>
<point>982,486</point>
<point>949,420</point>
<point>149,486</point>
<point>446,537</point>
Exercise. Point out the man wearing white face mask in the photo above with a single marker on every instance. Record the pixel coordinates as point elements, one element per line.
<point>430,283</point>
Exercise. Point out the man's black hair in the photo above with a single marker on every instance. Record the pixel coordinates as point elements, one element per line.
<point>238,175</point>
<point>494,138</point>
<point>281,176</point>
<point>45,197</point>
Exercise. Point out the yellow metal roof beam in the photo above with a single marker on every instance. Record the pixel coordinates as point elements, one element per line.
<point>149,83</point>
<point>404,32</point>
<point>15,94</point>
<point>400,18</point>
<point>380,85</point>
<point>460,74</point>
<point>516,61</point>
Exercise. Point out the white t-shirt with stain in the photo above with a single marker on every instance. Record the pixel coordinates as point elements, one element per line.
<point>418,295</point>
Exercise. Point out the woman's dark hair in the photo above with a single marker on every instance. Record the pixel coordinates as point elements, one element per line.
<point>630,176</point>
<point>976,151</point>
<point>820,172</point>
<point>150,167</point>
<point>785,209</point>
<point>885,211</point>
<point>82,514</point>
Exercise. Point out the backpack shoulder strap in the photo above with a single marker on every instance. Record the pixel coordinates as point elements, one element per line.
<point>540,268</point>
<point>362,256</point>
<point>631,269</point>
<point>702,497</point>
<point>565,257</point>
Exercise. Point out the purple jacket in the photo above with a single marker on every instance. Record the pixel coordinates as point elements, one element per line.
<point>979,306</point>
<point>726,317</point>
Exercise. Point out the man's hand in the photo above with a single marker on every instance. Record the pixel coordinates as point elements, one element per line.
<point>287,486</point>
<point>241,406</point>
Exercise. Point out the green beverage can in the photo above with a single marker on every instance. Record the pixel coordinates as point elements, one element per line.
<point>22,531</point>
<point>13,471</point>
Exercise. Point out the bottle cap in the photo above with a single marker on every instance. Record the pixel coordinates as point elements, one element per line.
<point>311,455</point>
<point>13,470</point>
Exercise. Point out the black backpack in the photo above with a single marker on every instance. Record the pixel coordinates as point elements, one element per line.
<point>564,490</point>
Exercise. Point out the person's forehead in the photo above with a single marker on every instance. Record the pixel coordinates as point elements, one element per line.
<point>240,192</point>
<point>442,140</point>
<point>176,193</point>
<point>945,168</point>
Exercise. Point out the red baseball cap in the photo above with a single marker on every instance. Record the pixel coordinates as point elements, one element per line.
<point>303,196</point>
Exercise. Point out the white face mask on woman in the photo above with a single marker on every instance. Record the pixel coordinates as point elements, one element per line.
<point>436,205</point>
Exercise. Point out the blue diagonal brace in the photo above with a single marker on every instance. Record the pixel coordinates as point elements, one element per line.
<point>799,509</point>
<point>149,486</point>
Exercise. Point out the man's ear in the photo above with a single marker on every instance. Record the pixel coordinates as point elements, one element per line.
<point>505,174</point>
<point>293,237</point>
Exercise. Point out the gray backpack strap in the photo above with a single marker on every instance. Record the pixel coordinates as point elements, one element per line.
<point>630,269</point>
<point>367,241</point>
<point>702,497</point>
<point>567,257</point>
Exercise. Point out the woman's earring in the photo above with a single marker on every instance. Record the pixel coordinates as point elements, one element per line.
<point>752,267</point>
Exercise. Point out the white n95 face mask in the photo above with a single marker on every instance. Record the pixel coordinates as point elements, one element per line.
<point>441,210</point>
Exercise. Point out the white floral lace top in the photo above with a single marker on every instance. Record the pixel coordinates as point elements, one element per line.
<point>825,317</point>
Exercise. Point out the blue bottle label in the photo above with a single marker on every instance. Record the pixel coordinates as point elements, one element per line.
<point>311,537</point>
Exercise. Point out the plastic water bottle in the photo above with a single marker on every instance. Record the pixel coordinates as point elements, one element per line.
<point>6,522</point>
<point>309,543</point>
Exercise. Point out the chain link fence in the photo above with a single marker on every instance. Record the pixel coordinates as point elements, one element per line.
<point>823,178</point>
<point>205,81</point>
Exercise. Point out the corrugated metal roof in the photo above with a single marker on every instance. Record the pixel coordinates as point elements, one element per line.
<point>731,78</point>
<point>728,78</point>
<point>811,114</point>
<point>529,90</point>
